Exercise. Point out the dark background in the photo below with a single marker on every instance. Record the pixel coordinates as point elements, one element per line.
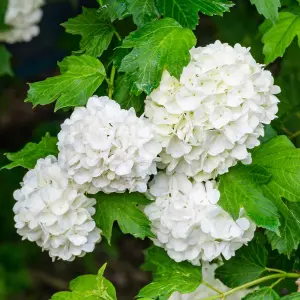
<point>25,272</point>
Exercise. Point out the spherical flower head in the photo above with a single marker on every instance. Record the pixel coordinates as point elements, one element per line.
<point>208,119</point>
<point>106,148</point>
<point>203,291</point>
<point>22,17</point>
<point>50,212</point>
<point>188,222</point>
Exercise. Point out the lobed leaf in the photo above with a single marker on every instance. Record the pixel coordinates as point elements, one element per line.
<point>143,11</point>
<point>265,293</point>
<point>125,97</point>
<point>158,45</point>
<point>239,188</point>
<point>116,9</point>
<point>28,156</point>
<point>267,8</point>
<point>89,287</point>
<point>169,276</point>
<point>185,12</point>
<point>269,190</point>
<point>278,37</point>
<point>80,77</point>
<point>123,209</point>
<point>95,28</point>
<point>248,264</point>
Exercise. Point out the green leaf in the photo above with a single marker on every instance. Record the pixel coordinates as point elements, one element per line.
<point>265,293</point>
<point>269,133</point>
<point>5,67</point>
<point>116,9</point>
<point>143,11</point>
<point>169,276</point>
<point>186,11</point>
<point>95,28</point>
<point>122,208</point>
<point>248,264</point>
<point>89,287</point>
<point>239,188</point>
<point>267,8</point>
<point>28,156</point>
<point>62,296</point>
<point>80,77</point>
<point>288,238</point>
<point>273,178</point>
<point>158,45</point>
<point>280,157</point>
<point>277,38</point>
<point>125,97</point>
<point>3,8</point>
<point>293,296</point>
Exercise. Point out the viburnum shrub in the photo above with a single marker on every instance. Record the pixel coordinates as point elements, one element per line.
<point>170,140</point>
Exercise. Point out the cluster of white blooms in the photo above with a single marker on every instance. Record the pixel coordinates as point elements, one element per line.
<point>208,119</point>
<point>189,224</point>
<point>195,129</point>
<point>22,17</point>
<point>102,148</point>
<point>106,148</point>
<point>50,212</point>
<point>203,291</point>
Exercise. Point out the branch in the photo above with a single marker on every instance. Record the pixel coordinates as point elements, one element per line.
<point>254,282</point>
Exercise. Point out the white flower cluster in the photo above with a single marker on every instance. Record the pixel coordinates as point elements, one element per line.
<point>189,224</point>
<point>102,148</point>
<point>106,148</point>
<point>22,17</point>
<point>203,291</point>
<point>50,212</point>
<point>208,119</point>
<point>199,127</point>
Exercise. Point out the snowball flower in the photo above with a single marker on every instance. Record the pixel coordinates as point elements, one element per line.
<point>202,292</point>
<point>208,119</point>
<point>22,17</point>
<point>50,212</point>
<point>188,222</point>
<point>106,148</point>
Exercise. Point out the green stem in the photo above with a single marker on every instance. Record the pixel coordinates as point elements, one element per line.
<point>212,287</point>
<point>111,82</point>
<point>275,283</point>
<point>117,35</point>
<point>254,282</point>
<point>294,135</point>
<point>275,270</point>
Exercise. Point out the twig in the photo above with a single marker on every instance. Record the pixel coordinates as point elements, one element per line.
<point>212,287</point>
<point>254,282</point>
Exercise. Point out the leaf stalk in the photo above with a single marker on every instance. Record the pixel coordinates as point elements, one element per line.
<point>280,276</point>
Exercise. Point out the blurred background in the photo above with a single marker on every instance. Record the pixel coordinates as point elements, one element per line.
<point>26,273</point>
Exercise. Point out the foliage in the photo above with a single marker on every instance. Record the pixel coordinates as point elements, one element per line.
<point>122,208</point>
<point>248,264</point>
<point>5,67</point>
<point>79,79</point>
<point>89,287</point>
<point>153,43</point>
<point>95,28</point>
<point>186,12</point>
<point>28,156</point>
<point>184,277</point>
<point>125,45</point>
